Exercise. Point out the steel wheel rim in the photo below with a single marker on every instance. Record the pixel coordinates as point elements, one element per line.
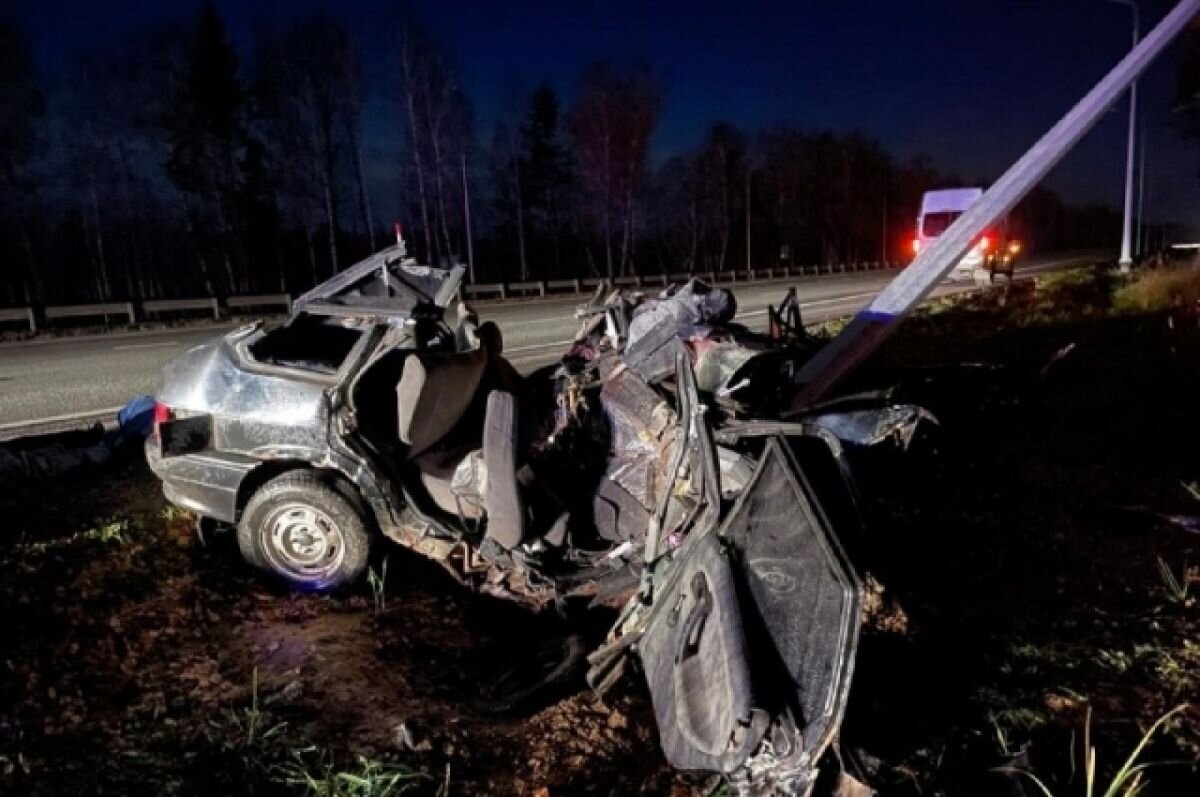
<point>303,543</point>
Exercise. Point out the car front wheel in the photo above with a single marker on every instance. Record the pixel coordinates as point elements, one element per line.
<point>302,530</point>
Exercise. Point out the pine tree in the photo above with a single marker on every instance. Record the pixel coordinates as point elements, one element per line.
<point>545,176</point>
<point>207,144</point>
<point>21,105</point>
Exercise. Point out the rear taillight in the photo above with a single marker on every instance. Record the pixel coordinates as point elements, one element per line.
<point>984,244</point>
<point>916,246</point>
<point>162,414</point>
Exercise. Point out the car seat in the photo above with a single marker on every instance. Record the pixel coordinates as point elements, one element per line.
<point>434,393</point>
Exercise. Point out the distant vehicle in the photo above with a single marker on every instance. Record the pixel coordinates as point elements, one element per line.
<point>993,254</point>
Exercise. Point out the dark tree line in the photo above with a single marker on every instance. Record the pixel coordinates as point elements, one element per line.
<point>171,164</point>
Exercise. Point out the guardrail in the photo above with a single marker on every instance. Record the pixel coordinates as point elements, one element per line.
<point>261,300</point>
<point>540,288</point>
<point>134,311</point>
<point>25,314</point>
<point>91,310</point>
<point>173,305</point>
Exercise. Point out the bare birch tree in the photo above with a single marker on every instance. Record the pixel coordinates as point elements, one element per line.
<point>611,123</point>
<point>438,127</point>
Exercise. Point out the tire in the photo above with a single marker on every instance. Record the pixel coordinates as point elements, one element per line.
<point>303,531</point>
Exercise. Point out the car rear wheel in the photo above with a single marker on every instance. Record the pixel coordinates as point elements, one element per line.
<point>302,530</point>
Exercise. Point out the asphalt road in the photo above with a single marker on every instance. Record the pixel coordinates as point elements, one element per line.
<point>52,382</point>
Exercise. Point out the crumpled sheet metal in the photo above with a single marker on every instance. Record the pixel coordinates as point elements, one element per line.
<point>691,311</point>
<point>695,304</point>
<point>871,426</point>
<point>637,420</point>
<point>716,361</point>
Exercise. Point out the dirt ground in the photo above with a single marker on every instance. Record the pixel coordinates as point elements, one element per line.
<point>1031,562</point>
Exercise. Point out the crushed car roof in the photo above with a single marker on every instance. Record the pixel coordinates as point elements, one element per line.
<point>388,283</point>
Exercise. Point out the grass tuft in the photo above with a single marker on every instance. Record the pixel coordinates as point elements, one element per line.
<point>1129,780</point>
<point>377,581</point>
<point>1160,289</point>
<point>250,728</point>
<point>368,778</point>
<point>1176,587</point>
<point>113,532</point>
<point>171,513</point>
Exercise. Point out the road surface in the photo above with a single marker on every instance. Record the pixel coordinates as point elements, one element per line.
<point>54,382</point>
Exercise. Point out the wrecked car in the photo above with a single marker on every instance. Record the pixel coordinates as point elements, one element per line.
<point>647,471</point>
<point>678,467</point>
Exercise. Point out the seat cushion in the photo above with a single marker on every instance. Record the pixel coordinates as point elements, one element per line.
<point>433,393</point>
<point>505,505</point>
<point>438,470</point>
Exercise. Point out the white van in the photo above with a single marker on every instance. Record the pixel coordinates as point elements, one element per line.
<point>939,209</point>
<point>992,254</point>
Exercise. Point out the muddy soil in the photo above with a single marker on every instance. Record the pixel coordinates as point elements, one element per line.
<point>1015,567</point>
<point>136,652</point>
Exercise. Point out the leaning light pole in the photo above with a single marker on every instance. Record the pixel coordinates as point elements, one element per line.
<point>1139,248</point>
<point>1126,258</point>
<point>875,323</point>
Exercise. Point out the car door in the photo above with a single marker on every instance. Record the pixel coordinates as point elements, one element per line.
<point>749,641</point>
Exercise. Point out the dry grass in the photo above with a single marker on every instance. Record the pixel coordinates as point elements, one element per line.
<point>1160,289</point>
<point>1130,779</point>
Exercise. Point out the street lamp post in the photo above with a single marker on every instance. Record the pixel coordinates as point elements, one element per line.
<point>875,322</point>
<point>1126,258</point>
<point>1139,244</point>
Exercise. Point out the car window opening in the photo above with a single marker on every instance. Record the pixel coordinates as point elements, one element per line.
<point>309,342</point>
<point>937,223</point>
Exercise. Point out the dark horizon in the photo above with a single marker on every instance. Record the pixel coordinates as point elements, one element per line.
<point>970,87</point>
<point>209,148</point>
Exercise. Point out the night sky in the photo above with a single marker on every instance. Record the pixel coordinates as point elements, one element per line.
<point>971,84</point>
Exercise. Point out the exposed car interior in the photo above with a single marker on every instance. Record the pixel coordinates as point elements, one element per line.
<point>433,394</point>
<point>310,342</point>
<point>448,414</point>
<point>488,454</point>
